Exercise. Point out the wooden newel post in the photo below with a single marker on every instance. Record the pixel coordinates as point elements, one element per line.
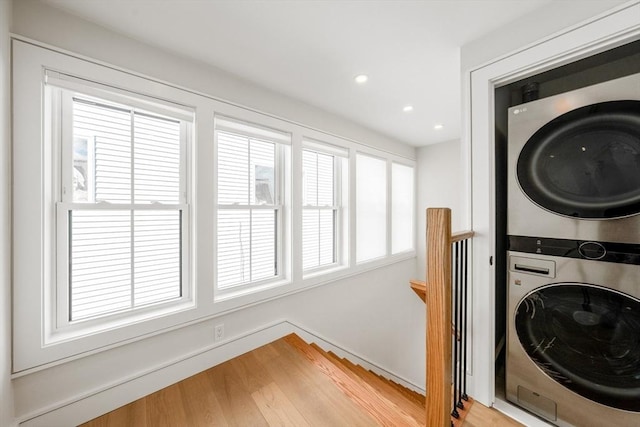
<point>438,300</point>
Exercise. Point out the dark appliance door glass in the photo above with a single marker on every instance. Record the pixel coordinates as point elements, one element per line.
<point>586,338</point>
<point>586,163</point>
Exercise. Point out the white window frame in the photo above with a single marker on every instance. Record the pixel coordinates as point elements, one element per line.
<point>282,141</point>
<point>387,185</point>
<point>60,109</point>
<point>411,165</point>
<point>38,340</point>
<point>389,256</point>
<point>340,198</point>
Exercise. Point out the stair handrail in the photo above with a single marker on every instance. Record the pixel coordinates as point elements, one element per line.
<point>438,299</point>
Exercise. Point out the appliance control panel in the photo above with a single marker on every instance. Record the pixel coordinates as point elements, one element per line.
<point>623,253</point>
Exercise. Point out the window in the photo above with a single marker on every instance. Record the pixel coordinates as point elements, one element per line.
<point>323,170</point>
<point>371,207</point>
<point>250,211</point>
<point>402,208</point>
<point>121,207</point>
<point>139,207</point>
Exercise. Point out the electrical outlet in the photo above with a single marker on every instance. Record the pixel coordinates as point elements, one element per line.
<point>219,333</point>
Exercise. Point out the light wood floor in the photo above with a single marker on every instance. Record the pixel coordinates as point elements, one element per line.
<point>274,385</point>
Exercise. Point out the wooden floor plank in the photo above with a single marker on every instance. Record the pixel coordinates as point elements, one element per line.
<point>133,414</point>
<point>164,408</point>
<point>200,403</point>
<point>250,372</point>
<point>312,392</point>
<point>266,353</point>
<point>481,416</point>
<point>276,408</point>
<point>238,408</point>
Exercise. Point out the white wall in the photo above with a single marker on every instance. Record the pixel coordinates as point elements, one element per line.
<point>374,315</point>
<point>38,21</point>
<point>530,29</point>
<point>6,397</point>
<point>439,186</point>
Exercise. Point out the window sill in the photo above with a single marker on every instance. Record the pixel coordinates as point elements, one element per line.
<point>231,294</point>
<point>96,326</point>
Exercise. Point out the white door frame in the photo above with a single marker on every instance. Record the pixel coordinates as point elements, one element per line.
<point>608,30</point>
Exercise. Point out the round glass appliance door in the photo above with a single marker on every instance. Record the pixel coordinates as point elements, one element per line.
<point>585,337</point>
<point>586,163</point>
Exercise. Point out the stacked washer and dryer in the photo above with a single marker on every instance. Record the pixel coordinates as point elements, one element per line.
<point>573,333</point>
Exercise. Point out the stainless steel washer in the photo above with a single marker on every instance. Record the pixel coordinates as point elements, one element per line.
<point>574,164</point>
<point>573,336</point>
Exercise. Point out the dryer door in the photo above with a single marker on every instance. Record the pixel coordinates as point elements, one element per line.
<point>586,163</point>
<point>586,338</point>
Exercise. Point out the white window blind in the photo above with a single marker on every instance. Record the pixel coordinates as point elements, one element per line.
<point>371,207</point>
<point>249,209</point>
<point>122,209</point>
<point>320,210</point>
<point>402,208</point>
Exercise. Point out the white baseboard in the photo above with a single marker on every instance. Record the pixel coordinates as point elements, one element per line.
<point>97,402</point>
<point>94,403</point>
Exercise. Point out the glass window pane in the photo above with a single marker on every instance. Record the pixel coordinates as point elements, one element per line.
<point>326,176</point>
<point>309,178</point>
<point>318,179</point>
<point>318,238</point>
<point>327,225</point>
<point>233,162</point>
<point>262,172</point>
<point>263,244</point>
<point>310,238</point>
<point>101,153</point>
<point>156,159</point>
<point>234,251</point>
<point>157,262</point>
<point>402,210</point>
<point>371,208</point>
<point>100,264</point>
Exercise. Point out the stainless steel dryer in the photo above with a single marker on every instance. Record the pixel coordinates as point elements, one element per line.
<point>573,335</point>
<point>574,164</point>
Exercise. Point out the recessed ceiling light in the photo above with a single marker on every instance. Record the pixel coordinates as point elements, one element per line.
<point>361,78</point>
<point>438,126</point>
<point>407,108</point>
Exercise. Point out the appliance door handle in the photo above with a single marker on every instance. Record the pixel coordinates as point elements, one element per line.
<point>529,269</point>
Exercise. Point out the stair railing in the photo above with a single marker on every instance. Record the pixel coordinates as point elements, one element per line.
<point>446,296</point>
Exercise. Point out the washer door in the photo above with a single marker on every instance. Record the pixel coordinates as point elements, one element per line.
<point>586,163</point>
<point>586,338</point>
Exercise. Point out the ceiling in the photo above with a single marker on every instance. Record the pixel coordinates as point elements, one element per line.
<point>312,50</point>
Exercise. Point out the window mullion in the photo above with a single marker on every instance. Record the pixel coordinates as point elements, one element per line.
<point>250,208</point>
<point>317,210</point>
<point>132,210</point>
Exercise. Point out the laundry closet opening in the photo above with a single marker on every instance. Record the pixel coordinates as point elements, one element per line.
<point>606,66</point>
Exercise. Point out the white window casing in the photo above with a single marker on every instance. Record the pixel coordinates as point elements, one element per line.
<point>123,209</point>
<point>385,207</point>
<point>251,240</point>
<point>56,318</point>
<point>324,173</point>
